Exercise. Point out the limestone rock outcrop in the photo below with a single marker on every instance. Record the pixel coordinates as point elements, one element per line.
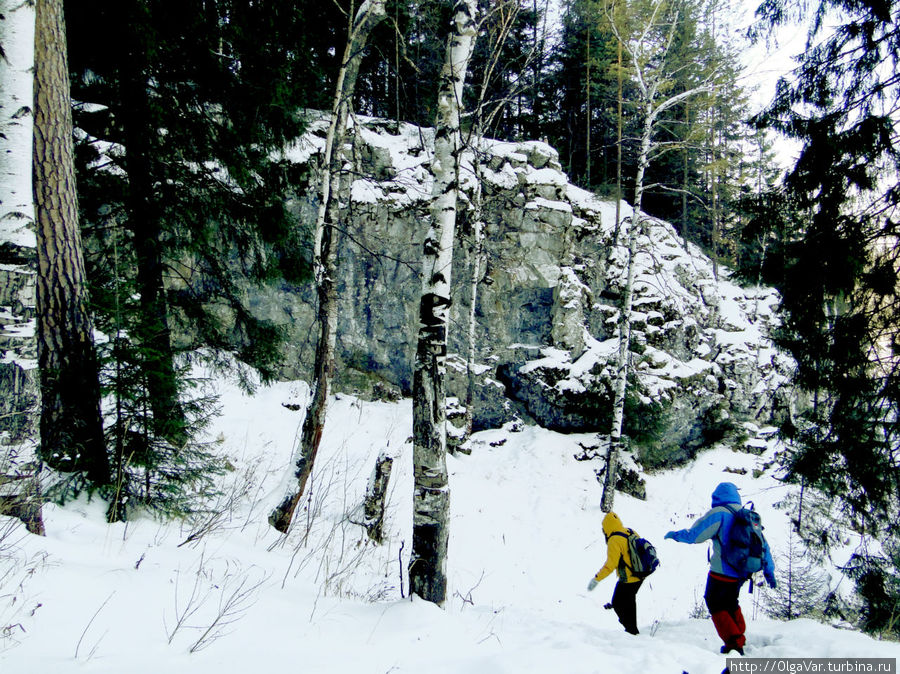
<point>547,300</point>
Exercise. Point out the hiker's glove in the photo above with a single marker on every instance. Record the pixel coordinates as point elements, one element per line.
<point>670,534</point>
<point>770,579</point>
<point>592,584</point>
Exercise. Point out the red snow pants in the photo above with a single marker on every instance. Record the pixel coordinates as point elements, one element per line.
<point>722,601</point>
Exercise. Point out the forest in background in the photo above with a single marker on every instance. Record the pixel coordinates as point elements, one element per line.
<point>179,110</point>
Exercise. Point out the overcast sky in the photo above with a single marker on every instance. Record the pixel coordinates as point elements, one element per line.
<point>768,60</point>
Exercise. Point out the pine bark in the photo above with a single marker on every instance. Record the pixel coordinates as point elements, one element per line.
<point>369,15</point>
<point>71,426</point>
<point>431,494</point>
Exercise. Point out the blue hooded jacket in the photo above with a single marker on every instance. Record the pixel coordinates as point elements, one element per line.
<point>715,525</point>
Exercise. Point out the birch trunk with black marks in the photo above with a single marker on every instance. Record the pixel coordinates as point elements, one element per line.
<point>431,492</point>
<point>71,426</point>
<point>624,327</point>
<point>369,15</point>
<point>477,255</point>
<point>650,78</point>
<point>19,374</point>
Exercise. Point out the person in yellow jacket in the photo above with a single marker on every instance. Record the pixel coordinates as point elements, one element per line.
<point>624,599</point>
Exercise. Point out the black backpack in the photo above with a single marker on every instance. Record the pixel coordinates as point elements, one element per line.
<point>644,559</point>
<point>745,549</point>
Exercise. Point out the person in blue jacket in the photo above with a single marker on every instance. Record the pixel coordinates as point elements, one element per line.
<point>723,584</point>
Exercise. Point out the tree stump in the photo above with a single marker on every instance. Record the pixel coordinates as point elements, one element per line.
<point>373,508</point>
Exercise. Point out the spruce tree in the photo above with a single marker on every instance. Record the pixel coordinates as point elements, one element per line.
<point>840,283</point>
<point>586,94</point>
<point>183,108</point>
<point>508,63</point>
<point>398,72</point>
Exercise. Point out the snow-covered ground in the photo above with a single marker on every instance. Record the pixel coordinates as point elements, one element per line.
<point>525,540</point>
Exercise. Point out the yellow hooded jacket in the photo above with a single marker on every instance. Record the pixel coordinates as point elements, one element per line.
<point>616,551</point>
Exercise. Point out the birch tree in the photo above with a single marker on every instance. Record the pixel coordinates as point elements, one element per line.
<point>431,493</point>
<point>647,53</point>
<point>498,28</point>
<point>483,116</point>
<point>19,406</point>
<point>369,14</point>
<point>71,426</point>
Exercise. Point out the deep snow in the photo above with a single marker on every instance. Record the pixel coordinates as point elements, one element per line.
<point>525,540</point>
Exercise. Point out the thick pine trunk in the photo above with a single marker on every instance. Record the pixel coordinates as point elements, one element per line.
<point>71,427</point>
<point>431,493</point>
<point>369,15</point>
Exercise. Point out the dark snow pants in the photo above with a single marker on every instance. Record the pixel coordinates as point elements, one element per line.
<point>624,602</point>
<point>722,600</point>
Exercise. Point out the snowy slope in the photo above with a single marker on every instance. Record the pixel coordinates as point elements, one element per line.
<point>525,540</point>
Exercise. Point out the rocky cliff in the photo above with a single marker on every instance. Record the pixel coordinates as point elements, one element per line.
<point>547,300</point>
